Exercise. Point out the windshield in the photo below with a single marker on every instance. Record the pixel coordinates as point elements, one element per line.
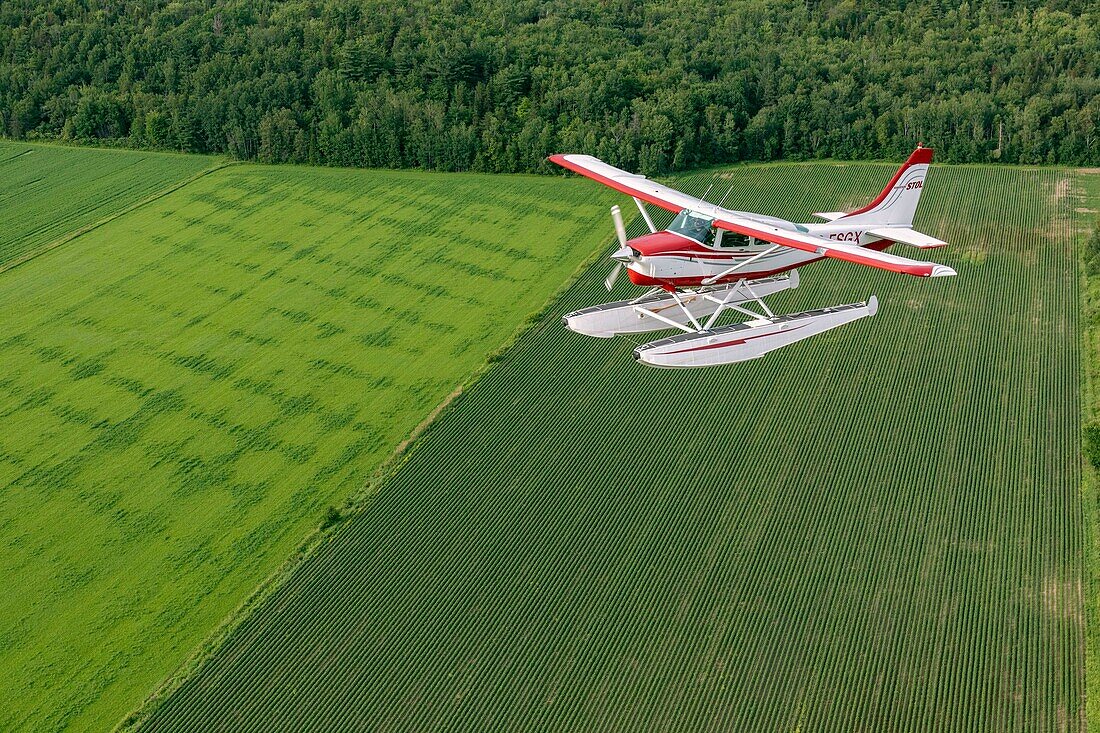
<point>693,225</point>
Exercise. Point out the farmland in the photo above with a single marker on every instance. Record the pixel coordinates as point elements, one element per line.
<point>51,191</point>
<point>879,529</point>
<point>188,386</point>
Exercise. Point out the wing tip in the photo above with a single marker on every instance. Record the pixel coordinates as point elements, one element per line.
<point>942,271</point>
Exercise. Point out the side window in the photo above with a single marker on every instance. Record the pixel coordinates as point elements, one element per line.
<point>733,239</point>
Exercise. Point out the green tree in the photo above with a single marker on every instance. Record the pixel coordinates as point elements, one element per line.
<point>279,137</point>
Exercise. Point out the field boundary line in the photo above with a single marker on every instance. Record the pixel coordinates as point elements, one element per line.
<point>76,233</point>
<point>354,504</point>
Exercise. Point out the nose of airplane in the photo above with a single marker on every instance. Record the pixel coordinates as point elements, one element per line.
<point>625,254</point>
<point>656,243</point>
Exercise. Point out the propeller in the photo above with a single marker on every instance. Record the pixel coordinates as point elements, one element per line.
<point>609,281</point>
<point>624,253</point>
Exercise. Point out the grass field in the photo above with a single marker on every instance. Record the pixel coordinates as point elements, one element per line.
<point>186,388</point>
<point>878,529</point>
<point>51,191</point>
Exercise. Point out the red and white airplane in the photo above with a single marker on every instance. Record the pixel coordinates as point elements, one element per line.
<point>711,260</point>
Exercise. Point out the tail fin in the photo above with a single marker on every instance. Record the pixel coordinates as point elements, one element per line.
<point>897,203</point>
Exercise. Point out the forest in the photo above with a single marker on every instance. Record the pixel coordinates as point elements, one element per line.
<point>496,85</point>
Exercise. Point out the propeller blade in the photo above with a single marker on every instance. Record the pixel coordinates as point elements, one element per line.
<point>620,230</point>
<point>610,281</point>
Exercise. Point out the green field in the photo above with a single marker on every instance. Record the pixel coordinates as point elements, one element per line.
<point>50,192</point>
<point>187,387</point>
<point>879,529</point>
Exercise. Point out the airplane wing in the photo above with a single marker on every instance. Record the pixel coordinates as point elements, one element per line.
<point>767,228</point>
<point>836,250</point>
<point>632,184</point>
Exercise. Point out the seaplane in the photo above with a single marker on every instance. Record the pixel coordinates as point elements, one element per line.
<point>711,261</point>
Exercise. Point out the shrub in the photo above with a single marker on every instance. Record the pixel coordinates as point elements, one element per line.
<point>333,515</point>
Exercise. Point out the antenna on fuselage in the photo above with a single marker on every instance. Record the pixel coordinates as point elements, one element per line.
<point>725,197</point>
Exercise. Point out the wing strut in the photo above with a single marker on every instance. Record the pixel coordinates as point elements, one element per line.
<point>645,215</point>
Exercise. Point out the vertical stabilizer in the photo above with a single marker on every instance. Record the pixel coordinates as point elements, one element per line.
<point>897,203</point>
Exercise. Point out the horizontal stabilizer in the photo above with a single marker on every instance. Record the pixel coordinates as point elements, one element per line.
<point>905,235</point>
<point>829,215</point>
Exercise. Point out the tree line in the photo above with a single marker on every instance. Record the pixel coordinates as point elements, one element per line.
<point>496,85</point>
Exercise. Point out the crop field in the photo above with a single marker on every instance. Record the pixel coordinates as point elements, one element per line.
<point>879,529</point>
<point>52,191</point>
<point>187,387</point>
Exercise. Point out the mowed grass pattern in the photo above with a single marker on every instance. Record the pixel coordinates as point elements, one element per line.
<point>49,191</point>
<point>878,529</point>
<point>187,387</point>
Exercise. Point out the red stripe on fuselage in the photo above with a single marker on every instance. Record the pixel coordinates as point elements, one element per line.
<point>694,282</point>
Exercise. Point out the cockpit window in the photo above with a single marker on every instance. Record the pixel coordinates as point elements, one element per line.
<point>693,225</point>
